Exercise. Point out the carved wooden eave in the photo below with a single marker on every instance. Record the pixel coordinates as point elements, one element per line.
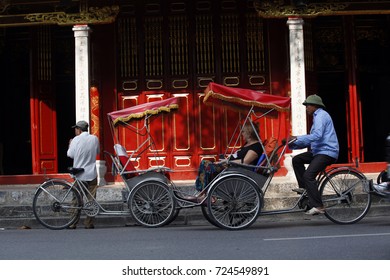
<point>28,12</point>
<point>286,8</point>
<point>92,16</point>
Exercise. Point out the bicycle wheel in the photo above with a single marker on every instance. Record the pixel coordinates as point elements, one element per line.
<point>152,204</point>
<point>56,205</point>
<point>206,214</point>
<point>345,196</point>
<point>174,216</point>
<point>382,177</point>
<point>234,203</point>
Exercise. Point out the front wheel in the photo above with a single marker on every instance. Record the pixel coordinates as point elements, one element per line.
<point>345,196</point>
<point>206,214</point>
<point>56,205</point>
<point>234,203</point>
<point>152,204</point>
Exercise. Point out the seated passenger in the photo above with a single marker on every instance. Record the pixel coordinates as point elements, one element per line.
<point>249,153</point>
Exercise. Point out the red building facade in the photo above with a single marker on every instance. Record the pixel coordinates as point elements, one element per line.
<point>145,51</point>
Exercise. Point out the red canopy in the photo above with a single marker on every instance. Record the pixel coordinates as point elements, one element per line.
<point>244,98</point>
<point>139,111</point>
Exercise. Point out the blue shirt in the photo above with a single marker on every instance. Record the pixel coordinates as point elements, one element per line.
<point>322,138</point>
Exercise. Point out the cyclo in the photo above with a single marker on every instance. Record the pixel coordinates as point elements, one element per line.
<point>234,199</point>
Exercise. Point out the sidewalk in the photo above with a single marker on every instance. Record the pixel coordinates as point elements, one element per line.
<point>16,205</point>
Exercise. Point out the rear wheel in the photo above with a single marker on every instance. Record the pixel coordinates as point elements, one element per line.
<point>234,203</point>
<point>152,204</point>
<point>56,205</point>
<point>346,197</point>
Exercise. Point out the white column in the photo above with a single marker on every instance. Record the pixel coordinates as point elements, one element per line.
<point>83,110</point>
<point>81,34</point>
<point>297,76</point>
<point>298,86</point>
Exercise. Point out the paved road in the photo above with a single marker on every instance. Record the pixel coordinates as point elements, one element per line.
<point>300,238</point>
<point>276,246</point>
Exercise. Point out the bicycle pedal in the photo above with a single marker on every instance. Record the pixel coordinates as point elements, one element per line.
<point>304,204</point>
<point>299,190</point>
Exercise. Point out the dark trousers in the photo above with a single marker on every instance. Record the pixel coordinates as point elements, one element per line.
<point>307,177</point>
<point>92,187</point>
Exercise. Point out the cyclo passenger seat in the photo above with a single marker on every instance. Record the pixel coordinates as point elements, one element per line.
<point>124,161</point>
<point>270,146</point>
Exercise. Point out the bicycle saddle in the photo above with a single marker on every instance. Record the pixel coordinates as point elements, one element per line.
<point>75,170</point>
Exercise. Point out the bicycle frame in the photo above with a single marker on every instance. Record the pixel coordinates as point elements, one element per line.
<point>321,177</point>
<point>87,197</point>
<point>82,189</point>
<point>52,180</point>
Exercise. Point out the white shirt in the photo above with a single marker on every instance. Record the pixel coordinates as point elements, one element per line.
<point>83,149</point>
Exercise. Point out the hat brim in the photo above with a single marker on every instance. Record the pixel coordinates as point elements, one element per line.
<point>76,126</point>
<point>314,104</point>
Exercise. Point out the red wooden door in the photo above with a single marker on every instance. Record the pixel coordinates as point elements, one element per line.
<point>42,104</point>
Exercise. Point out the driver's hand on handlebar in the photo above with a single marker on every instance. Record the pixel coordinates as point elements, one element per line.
<point>291,139</point>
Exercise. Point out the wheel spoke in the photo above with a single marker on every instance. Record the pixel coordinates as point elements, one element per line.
<point>235,203</point>
<point>345,197</point>
<point>152,204</point>
<point>56,205</point>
